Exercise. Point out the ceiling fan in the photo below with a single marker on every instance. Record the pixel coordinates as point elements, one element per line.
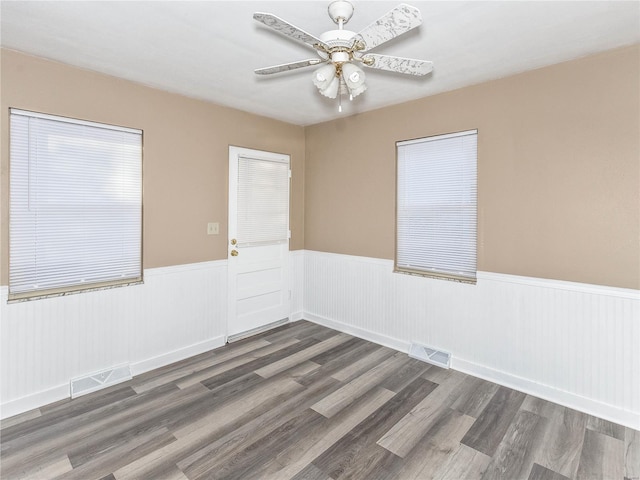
<point>341,52</point>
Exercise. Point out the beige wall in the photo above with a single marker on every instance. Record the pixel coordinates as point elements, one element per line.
<point>558,171</point>
<point>185,151</point>
<point>559,164</point>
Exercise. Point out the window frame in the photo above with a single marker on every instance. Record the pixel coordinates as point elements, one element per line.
<point>435,274</point>
<point>36,294</point>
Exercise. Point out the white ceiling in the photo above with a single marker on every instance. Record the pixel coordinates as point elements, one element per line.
<point>208,49</point>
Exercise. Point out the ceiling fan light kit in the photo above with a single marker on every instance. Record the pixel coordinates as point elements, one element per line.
<point>342,51</point>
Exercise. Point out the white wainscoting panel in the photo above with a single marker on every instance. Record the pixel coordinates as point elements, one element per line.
<point>296,277</point>
<point>178,312</point>
<point>570,343</point>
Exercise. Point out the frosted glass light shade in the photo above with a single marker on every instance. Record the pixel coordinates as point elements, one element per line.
<point>324,75</point>
<point>354,78</point>
<point>331,90</point>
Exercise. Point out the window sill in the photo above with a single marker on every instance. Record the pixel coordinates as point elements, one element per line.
<point>29,296</point>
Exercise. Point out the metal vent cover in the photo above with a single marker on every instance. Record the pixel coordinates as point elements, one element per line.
<point>430,355</point>
<point>99,380</point>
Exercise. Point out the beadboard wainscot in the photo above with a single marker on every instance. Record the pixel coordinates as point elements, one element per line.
<point>179,311</point>
<point>571,343</point>
<point>296,276</point>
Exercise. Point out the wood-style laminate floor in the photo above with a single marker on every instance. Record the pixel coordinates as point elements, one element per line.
<point>305,402</point>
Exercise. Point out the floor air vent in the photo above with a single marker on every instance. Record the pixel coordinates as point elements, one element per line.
<point>96,381</point>
<point>430,355</point>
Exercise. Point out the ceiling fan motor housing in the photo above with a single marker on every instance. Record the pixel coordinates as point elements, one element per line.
<point>340,42</point>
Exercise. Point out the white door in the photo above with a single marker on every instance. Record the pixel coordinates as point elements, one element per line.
<point>258,243</point>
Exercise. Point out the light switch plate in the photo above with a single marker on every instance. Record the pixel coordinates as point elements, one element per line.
<point>213,228</point>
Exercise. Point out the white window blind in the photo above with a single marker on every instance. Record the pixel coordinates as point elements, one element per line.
<point>75,204</point>
<point>263,201</point>
<point>436,205</point>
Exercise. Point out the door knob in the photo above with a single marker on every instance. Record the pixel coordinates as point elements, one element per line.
<point>234,253</point>
<point>233,241</point>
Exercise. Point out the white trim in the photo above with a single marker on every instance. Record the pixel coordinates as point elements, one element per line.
<point>35,400</point>
<point>432,138</point>
<point>561,285</point>
<point>567,399</point>
<point>179,312</point>
<point>76,121</point>
<point>176,355</point>
<point>549,338</point>
<point>363,333</point>
<point>504,277</point>
<point>296,316</point>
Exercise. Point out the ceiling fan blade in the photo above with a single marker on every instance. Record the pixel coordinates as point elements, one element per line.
<point>408,66</point>
<point>392,24</point>
<point>288,66</point>
<point>285,28</point>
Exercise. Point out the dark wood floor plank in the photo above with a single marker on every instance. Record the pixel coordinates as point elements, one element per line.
<point>239,435</point>
<point>605,427</point>
<point>560,449</point>
<point>357,455</point>
<point>263,356</point>
<point>363,364</point>
<point>272,351</point>
<point>204,361</point>
<point>474,396</point>
<point>312,350</point>
<point>297,455</point>
<point>487,432</point>
<point>340,361</point>
<point>463,463</point>
<point>38,469</point>
<point>66,410</point>
<point>44,444</point>
<point>233,384</point>
<point>297,331</point>
<point>405,375</point>
<point>244,463</point>
<point>631,454</point>
<point>338,350</point>
<point>208,428</point>
<point>514,456</point>
<point>5,423</point>
<point>345,396</point>
<point>433,450</point>
<point>408,432</point>
<point>311,472</point>
<point>602,457</point>
<point>541,407</point>
<point>538,472</point>
<point>244,410</point>
<point>121,454</point>
<point>174,413</point>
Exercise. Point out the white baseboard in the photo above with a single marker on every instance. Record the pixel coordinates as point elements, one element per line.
<point>561,397</point>
<point>296,316</point>
<point>571,343</point>
<point>374,337</point>
<point>35,400</point>
<point>524,385</point>
<point>177,355</point>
